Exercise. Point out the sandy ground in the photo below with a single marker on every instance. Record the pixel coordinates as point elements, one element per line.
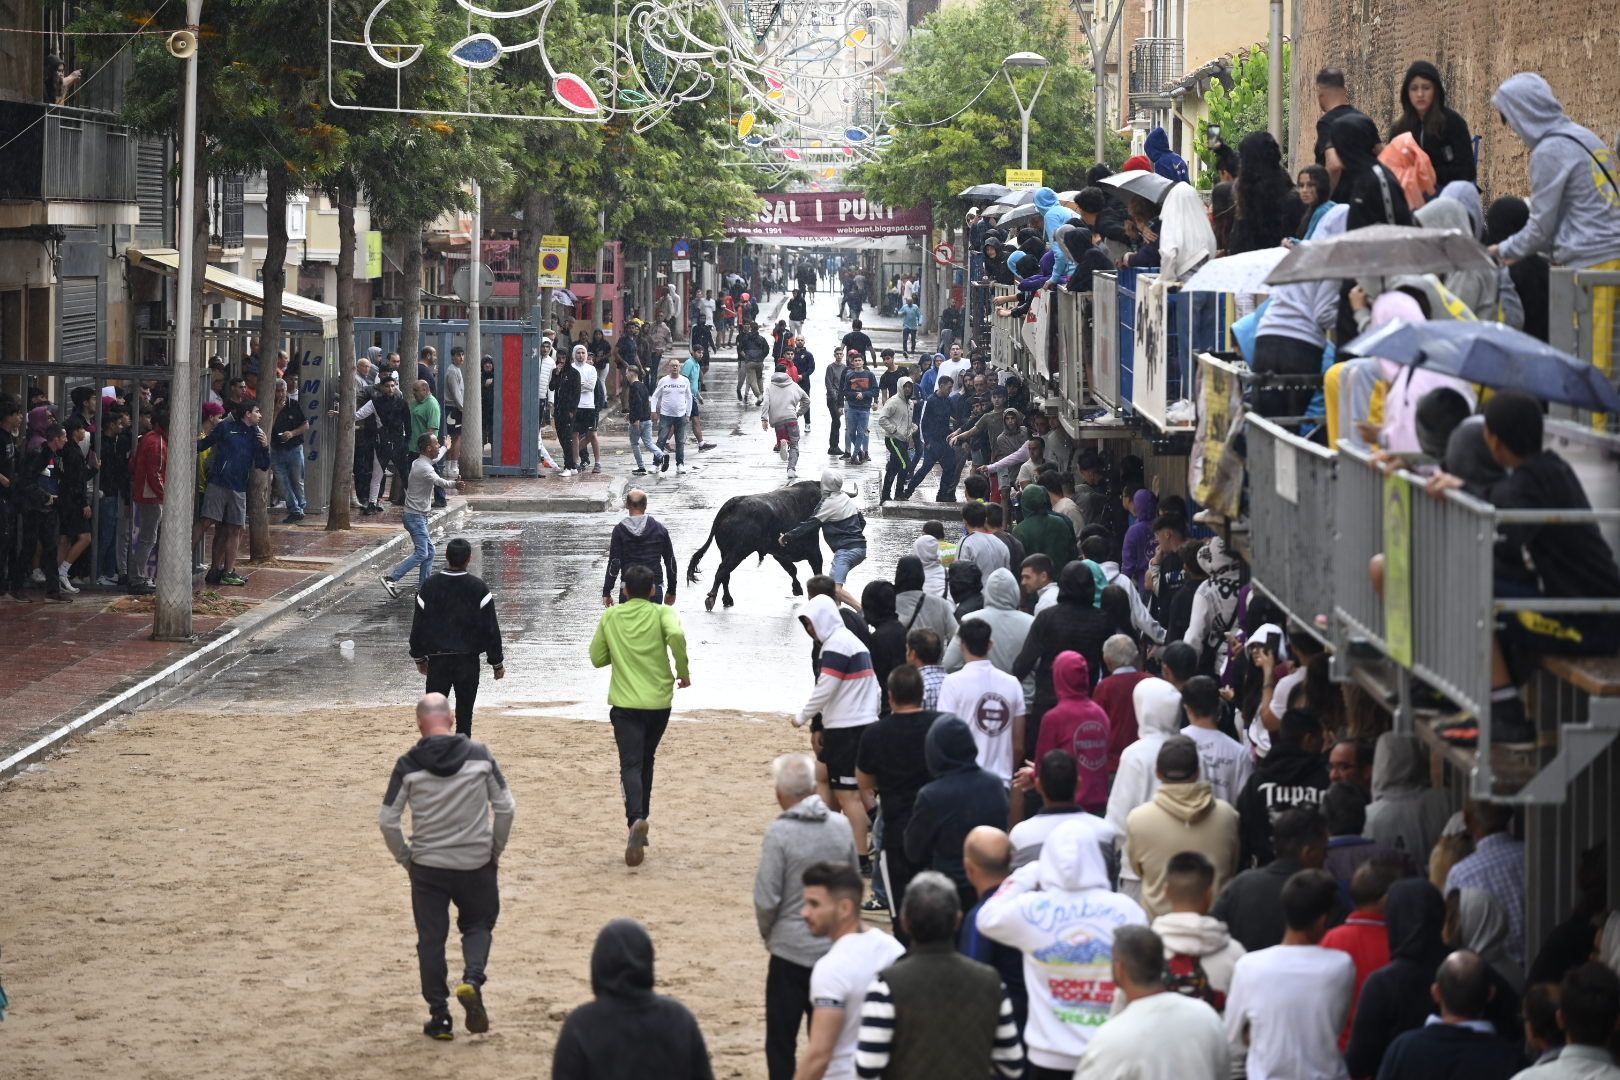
<point>206,894</point>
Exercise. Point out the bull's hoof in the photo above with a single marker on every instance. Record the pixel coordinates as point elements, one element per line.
<point>729,602</point>
<point>798,590</point>
<point>708,603</point>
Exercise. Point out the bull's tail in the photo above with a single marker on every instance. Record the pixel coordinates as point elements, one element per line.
<point>697,556</point>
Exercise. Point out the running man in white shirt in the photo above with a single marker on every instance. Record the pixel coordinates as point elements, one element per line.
<point>990,700</point>
<point>840,979</point>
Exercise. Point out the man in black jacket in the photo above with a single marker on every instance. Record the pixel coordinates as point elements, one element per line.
<point>453,623</point>
<point>1458,1044</point>
<point>393,417</point>
<point>565,392</point>
<point>38,487</point>
<point>752,352</point>
<point>11,448</point>
<point>1251,904</point>
<point>640,540</point>
<point>892,767</point>
<point>1293,774</point>
<point>961,797</point>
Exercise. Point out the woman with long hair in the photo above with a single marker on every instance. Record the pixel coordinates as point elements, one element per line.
<point>1315,189</point>
<point>1222,216</point>
<point>1267,205</point>
<point>1440,132</point>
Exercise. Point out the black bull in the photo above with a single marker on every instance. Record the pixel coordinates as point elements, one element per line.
<point>753,525</point>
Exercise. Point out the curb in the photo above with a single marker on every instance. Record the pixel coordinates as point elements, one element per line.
<point>212,651</point>
<point>947,512</point>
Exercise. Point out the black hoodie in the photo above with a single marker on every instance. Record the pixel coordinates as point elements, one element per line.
<point>1451,151</point>
<point>1396,998</point>
<point>887,641</point>
<point>628,1032</point>
<point>1071,624</point>
<point>1286,777</point>
<point>961,797</point>
<point>1364,184</point>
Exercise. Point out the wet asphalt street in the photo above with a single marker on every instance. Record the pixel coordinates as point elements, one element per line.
<point>546,572</point>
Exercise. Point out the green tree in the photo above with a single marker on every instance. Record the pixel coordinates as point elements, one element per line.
<point>1242,109</point>
<point>950,56</point>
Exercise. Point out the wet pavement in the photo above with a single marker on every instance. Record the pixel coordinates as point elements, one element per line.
<point>546,572</point>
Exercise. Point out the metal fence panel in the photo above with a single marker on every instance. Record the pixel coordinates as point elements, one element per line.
<point>1292,508</point>
<point>1102,374</point>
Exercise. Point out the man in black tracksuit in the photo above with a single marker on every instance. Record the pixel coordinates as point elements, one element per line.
<point>640,540</point>
<point>37,491</point>
<point>454,622</point>
<point>11,447</point>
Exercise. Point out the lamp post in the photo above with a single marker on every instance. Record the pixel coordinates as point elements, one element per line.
<point>1025,60</point>
<point>1087,10</point>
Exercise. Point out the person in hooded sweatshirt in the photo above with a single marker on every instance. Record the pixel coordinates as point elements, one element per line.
<point>1369,189</point>
<point>783,403</point>
<point>896,428</point>
<point>1043,531</point>
<point>1139,542</point>
<point>1166,162</point>
<point>1060,911</point>
<point>461,817</point>
<point>1078,726</point>
<point>1405,813</point>
<point>1197,946</point>
<point>628,1032</point>
<point>847,697</point>
<point>1073,624</point>
<point>1294,773</point>
<point>841,522</point>
<point>1009,627</point>
<point>1158,716</point>
<point>1184,815</point>
<point>918,604</point>
<point>966,586</point>
<point>887,637</point>
<point>1440,131</point>
<point>961,797</point>
<point>930,549</point>
<point>1398,997</point>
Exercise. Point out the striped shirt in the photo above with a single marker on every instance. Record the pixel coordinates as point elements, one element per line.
<point>877,1035</point>
<point>933,677</point>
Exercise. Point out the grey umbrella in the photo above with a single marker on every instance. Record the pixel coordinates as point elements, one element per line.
<point>1150,185</point>
<point>1382,251</point>
<point>1014,198</point>
<point>1021,213</point>
<point>987,192</point>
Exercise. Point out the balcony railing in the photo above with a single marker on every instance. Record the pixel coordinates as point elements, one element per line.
<point>65,154</point>
<point>1155,62</point>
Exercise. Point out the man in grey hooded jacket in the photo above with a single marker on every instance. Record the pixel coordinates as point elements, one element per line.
<point>804,834</point>
<point>1009,626</point>
<point>780,406</point>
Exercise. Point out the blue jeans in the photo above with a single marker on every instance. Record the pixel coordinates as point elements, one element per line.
<point>641,434</point>
<point>939,453</point>
<point>421,555</point>
<point>107,537</point>
<point>676,424</point>
<point>857,420</point>
<point>846,559</point>
<point>289,465</point>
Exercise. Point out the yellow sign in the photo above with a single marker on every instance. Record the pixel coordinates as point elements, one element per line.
<point>1398,569</point>
<point>374,269</point>
<point>554,262</point>
<point>1024,179</point>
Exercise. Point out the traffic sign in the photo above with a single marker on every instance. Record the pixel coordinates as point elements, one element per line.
<point>944,254</point>
<point>461,285</point>
<point>680,266</point>
<point>1024,179</point>
<point>682,250</point>
<point>554,262</point>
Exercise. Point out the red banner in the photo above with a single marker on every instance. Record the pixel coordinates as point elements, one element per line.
<point>830,214</point>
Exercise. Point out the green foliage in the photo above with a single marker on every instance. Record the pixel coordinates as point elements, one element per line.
<point>1242,109</point>
<point>953,53</point>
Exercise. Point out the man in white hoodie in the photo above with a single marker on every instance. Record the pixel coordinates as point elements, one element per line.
<point>846,697</point>
<point>1197,946</point>
<point>783,402</point>
<point>1158,716</point>
<point>1061,913</point>
<point>895,425</point>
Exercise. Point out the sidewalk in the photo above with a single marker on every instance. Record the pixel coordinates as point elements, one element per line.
<point>75,666</point>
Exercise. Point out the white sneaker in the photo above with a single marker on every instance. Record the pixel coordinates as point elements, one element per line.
<point>108,582</point>
<point>792,477</point>
<point>569,472</point>
<point>67,586</point>
<point>782,449</point>
<point>38,576</point>
<point>390,585</point>
<point>680,470</point>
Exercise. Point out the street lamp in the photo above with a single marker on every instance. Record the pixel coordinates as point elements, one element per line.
<point>1025,60</point>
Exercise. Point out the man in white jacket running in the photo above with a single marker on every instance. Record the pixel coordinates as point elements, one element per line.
<point>780,407</point>
<point>846,698</point>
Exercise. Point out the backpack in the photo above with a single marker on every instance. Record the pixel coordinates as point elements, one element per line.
<point>1184,974</point>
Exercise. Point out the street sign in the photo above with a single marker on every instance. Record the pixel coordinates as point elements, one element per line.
<point>374,259</point>
<point>680,266</point>
<point>682,250</point>
<point>944,254</point>
<point>461,285</point>
<point>554,262</point>
<point>1024,179</point>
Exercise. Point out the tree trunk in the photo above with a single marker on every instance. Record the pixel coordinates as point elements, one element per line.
<point>171,620</point>
<point>275,280</point>
<point>537,221</point>
<point>470,448</point>
<point>337,503</point>
<point>410,314</point>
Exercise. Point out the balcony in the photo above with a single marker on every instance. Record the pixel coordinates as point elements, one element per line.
<point>65,155</point>
<point>1155,63</point>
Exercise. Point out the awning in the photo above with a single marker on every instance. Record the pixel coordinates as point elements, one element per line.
<point>166,261</point>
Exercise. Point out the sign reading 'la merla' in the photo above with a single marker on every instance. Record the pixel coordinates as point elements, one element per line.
<point>829,214</point>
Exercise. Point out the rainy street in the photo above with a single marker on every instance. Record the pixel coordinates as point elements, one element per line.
<point>260,787</point>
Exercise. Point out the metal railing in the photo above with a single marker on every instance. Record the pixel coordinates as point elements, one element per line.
<point>87,159</point>
<point>1155,62</point>
<point>1291,490</point>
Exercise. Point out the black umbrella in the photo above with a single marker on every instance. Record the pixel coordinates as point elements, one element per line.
<point>1021,213</point>
<point>984,192</point>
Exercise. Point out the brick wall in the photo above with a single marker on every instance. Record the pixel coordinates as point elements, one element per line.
<point>1574,44</point>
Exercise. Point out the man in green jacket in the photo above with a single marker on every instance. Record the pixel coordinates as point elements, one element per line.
<point>638,637</point>
<point>425,421</point>
<point>1050,534</point>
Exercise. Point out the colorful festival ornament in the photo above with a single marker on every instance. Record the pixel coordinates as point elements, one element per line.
<point>791,154</point>
<point>477,51</point>
<point>570,90</point>
<point>857,135</point>
<point>745,123</point>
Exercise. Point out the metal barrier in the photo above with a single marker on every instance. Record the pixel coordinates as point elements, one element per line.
<point>1103,374</point>
<point>1291,506</point>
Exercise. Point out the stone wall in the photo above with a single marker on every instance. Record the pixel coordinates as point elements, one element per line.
<point>1574,44</point>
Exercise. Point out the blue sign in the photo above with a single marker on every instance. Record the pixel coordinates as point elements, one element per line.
<point>683,250</point>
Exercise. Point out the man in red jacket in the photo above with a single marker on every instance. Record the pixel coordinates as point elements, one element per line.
<point>147,472</point>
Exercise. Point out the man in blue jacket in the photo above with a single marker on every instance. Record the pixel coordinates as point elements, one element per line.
<point>936,425</point>
<point>239,446</point>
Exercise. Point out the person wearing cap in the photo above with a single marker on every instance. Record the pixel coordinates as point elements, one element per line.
<point>1184,815</point>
